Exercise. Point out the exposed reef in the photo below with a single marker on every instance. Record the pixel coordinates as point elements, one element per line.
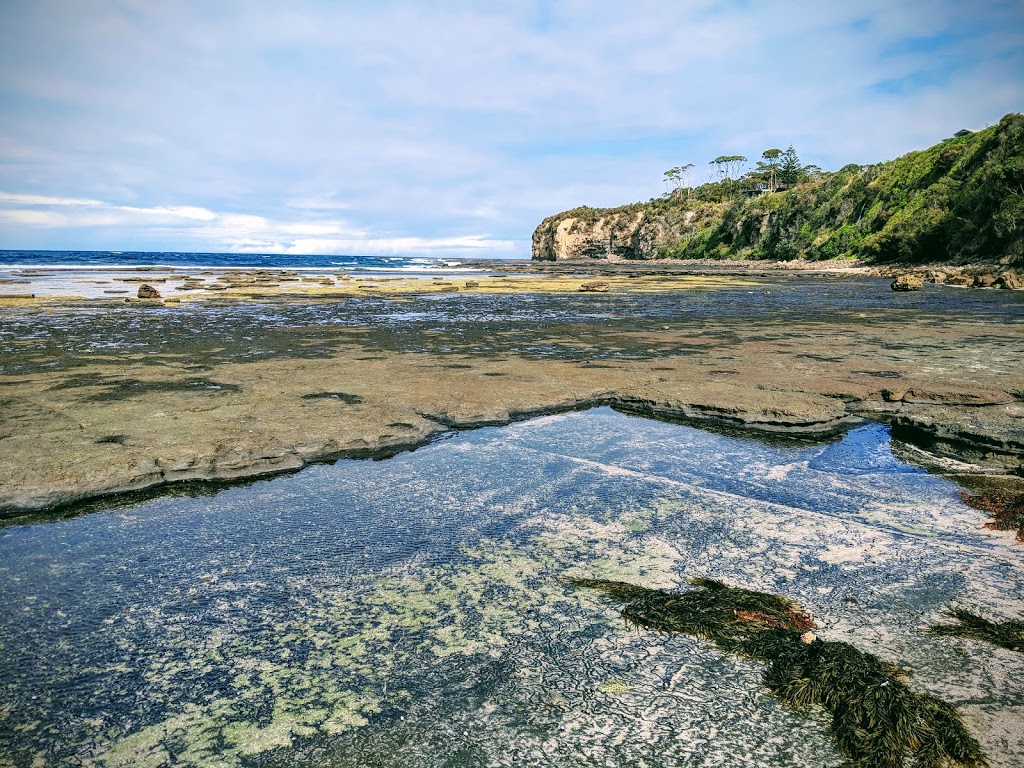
<point>101,398</point>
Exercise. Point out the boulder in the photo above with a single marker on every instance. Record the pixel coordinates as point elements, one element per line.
<point>1011,280</point>
<point>147,291</point>
<point>984,281</point>
<point>472,284</point>
<point>960,279</point>
<point>907,283</point>
<point>596,286</point>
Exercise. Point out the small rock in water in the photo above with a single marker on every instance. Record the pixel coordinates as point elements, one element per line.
<point>147,291</point>
<point>907,283</point>
<point>808,637</point>
<point>596,286</point>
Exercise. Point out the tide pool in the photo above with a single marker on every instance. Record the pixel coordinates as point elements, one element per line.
<point>411,612</point>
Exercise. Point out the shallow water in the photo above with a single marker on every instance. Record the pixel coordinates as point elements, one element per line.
<point>408,612</point>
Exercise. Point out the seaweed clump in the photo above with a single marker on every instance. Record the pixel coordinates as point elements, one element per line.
<point>1005,510</point>
<point>878,721</point>
<point>1007,634</point>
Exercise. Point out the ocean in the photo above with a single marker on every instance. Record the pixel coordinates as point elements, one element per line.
<point>181,260</point>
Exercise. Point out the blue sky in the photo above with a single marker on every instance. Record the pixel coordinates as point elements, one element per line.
<point>450,128</point>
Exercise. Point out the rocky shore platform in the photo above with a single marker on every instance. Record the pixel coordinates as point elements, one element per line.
<point>108,396</point>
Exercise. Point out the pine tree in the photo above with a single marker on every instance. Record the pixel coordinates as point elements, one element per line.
<point>790,171</point>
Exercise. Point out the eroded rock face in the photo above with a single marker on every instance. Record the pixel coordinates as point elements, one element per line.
<point>632,233</point>
<point>907,283</point>
<point>612,236</point>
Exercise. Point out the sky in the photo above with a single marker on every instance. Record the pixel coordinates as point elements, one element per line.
<point>451,128</point>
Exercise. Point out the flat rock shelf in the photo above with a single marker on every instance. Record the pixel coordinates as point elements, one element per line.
<point>414,611</point>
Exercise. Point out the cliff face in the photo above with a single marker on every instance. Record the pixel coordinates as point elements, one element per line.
<point>610,236</point>
<point>961,200</point>
<point>639,231</point>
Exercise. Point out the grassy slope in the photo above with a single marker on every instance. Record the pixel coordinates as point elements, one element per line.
<point>961,200</point>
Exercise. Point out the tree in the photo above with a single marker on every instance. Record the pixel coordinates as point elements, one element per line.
<point>672,177</point>
<point>679,176</point>
<point>728,166</point>
<point>790,170</point>
<point>684,172</point>
<point>771,164</point>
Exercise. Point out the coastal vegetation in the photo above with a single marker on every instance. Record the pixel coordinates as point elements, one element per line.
<point>878,721</point>
<point>960,201</point>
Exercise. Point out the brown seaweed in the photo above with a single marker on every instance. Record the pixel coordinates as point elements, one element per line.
<point>1007,634</point>
<point>1005,510</point>
<point>878,721</point>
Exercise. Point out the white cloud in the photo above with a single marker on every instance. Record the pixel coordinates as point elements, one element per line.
<point>404,245</point>
<point>237,232</point>
<point>48,200</point>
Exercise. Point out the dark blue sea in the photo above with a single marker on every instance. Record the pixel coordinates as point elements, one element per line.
<point>129,259</point>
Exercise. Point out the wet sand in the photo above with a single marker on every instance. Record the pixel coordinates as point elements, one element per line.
<point>248,375</point>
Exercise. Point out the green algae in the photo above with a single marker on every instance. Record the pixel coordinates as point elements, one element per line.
<point>614,687</point>
<point>357,649</point>
<point>1006,634</point>
<point>878,721</point>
